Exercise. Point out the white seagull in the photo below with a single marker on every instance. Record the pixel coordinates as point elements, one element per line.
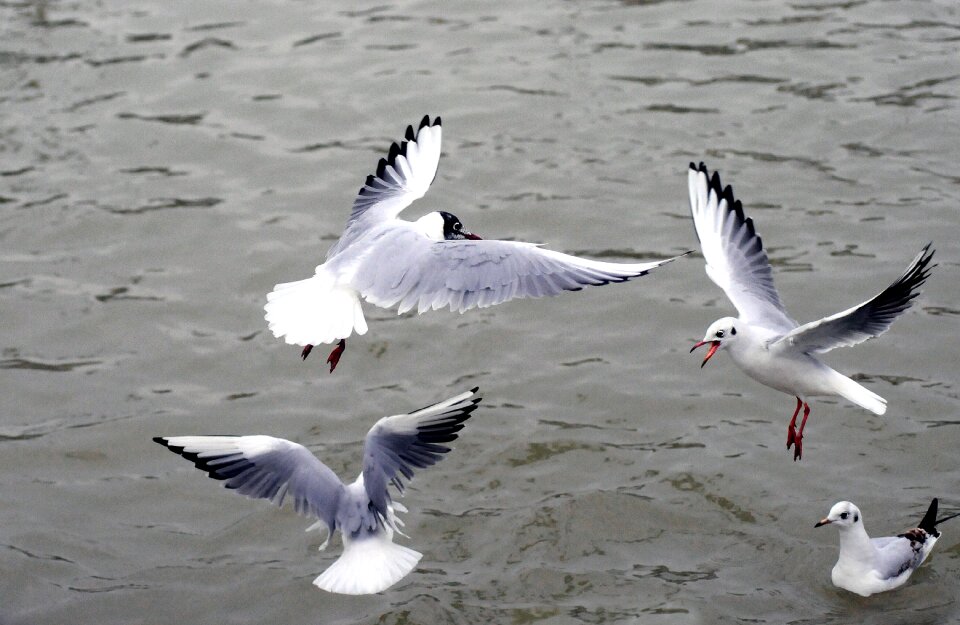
<point>764,341</point>
<point>430,263</point>
<point>271,468</point>
<point>871,565</point>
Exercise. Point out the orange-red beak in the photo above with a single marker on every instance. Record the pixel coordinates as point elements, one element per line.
<point>823,522</point>
<point>472,236</point>
<point>714,346</point>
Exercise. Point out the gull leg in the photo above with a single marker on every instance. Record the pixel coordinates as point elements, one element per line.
<point>791,432</point>
<point>334,356</point>
<point>306,351</point>
<point>798,452</point>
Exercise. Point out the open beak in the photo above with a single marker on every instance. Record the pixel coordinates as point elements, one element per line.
<point>714,346</point>
<point>823,522</point>
<point>472,236</point>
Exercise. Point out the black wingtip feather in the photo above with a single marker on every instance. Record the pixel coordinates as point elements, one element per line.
<point>409,135</point>
<point>425,122</point>
<point>929,521</point>
<point>393,153</point>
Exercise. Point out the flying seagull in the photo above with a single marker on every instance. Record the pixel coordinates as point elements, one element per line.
<point>427,264</point>
<point>764,341</point>
<point>871,565</point>
<point>264,467</point>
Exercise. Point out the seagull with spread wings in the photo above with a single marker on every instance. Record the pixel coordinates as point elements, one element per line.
<point>264,467</point>
<point>764,341</point>
<point>427,264</point>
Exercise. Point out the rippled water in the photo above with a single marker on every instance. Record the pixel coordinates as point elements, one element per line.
<point>163,164</point>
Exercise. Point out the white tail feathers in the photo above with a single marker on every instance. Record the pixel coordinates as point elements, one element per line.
<point>861,396</point>
<point>315,310</point>
<point>368,565</point>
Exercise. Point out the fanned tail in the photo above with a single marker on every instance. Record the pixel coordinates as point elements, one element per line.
<point>315,310</point>
<point>368,565</point>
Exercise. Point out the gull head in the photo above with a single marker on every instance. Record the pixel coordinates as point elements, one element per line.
<point>844,515</point>
<point>443,226</point>
<point>721,333</point>
<point>453,228</point>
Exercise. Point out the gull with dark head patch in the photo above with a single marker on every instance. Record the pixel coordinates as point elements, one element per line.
<point>427,264</point>
<point>764,341</point>
<point>264,467</point>
<point>870,565</point>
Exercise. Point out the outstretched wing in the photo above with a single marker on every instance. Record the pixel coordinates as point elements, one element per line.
<point>402,177</point>
<point>397,445</point>
<point>736,260</point>
<point>406,268</point>
<point>264,467</point>
<point>867,320</point>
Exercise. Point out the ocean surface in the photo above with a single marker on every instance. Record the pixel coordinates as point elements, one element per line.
<point>164,163</point>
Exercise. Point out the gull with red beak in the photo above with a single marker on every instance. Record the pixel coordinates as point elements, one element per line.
<point>431,263</point>
<point>764,341</point>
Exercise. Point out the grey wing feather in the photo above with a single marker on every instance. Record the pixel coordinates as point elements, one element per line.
<point>397,445</point>
<point>867,320</point>
<point>896,555</point>
<point>402,177</point>
<point>733,251</point>
<point>264,467</point>
<point>408,270</point>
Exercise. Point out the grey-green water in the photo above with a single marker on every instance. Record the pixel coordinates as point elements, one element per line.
<point>163,164</point>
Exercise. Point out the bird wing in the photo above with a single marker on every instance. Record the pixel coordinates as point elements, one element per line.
<point>264,467</point>
<point>898,554</point>
<point>867,320</point>
<point>397,445</point>
<point>733,251</point>
<point>402,177</point>
<point>405,268</point>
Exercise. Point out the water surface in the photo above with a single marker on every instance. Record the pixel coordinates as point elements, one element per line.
<point>163,164</point>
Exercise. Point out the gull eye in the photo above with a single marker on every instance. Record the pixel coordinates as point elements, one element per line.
<point>844,515</point>
<point>719,334</point>
<point>457,226</point>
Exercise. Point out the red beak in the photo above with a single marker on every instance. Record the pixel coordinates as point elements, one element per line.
<point>714,346</point>
<point>472,236</point>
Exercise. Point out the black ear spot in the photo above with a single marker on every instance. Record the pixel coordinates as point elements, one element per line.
<point>856,518</point>
<point>733,331</point>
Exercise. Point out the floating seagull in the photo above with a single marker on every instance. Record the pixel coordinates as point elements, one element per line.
<point>764,341</point>
<point>271,468</point>
<point>431,263</point>
<point>871,565</point>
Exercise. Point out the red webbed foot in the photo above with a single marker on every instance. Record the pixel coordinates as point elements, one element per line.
<point>306,351</point>
<point>334,356</point>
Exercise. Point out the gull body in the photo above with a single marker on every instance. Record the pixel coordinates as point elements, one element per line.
<point>763,340</point>
<point>867,565</point>
<point>264,467</point>
<point>427,264</point>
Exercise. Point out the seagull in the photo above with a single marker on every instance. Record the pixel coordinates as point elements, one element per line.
<point>264,467</point>
<point>764,341</point>
<point>871,565</point>
<point>431,263</point>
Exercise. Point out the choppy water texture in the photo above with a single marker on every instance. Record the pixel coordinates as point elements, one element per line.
<point>163,164</point>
